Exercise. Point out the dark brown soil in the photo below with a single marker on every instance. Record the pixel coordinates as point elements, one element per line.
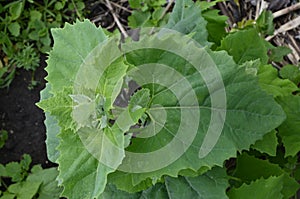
<point>23,120</point>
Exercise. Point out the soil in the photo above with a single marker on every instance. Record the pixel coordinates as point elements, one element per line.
<point>23,120</point>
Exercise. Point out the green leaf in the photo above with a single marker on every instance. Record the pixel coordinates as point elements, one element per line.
<point>264,23</point>
<point>89,156</point>
<point>7,196</point>
<point>157,3</point>
<point>14,170</point>
<point>49,187</point>
<point>186,18</point>
<point>2,171</point>
<point>52,140</point>
<point>111,82</point>
<point>139,100</point>
<point>250,168</point>
<point>79,170</point>
<point>136,3</point>
<point>261,189</point>
<point>277,54</point>
<point>14,29</point>
<point>112,192</point>
<point>80,5</point>
<point>60,106</point>
<point>139,19</point>
<point>3,137</point>
<point>271,83</point>
<point>24,190</point>
<point>290,128</point>
<point>212,184</point>
<point>15,9</point>
<point>216,24</point>
<point>253,46</point>
<point>268,144</point>
<point>35,15</point>
<point>58,6</point>
<point>69,52</point>
<point>52,129</point>
<point>290,72</point>
<point>204,5</point>
<point>25,162</point>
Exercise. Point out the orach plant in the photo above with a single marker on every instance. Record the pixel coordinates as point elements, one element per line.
<point>195,104</point>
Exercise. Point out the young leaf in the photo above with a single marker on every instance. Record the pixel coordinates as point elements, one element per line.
<point>15,9</point>
<point>216,24</point>
<point>277,53</point>
<point>290,72</point>
<point>139,19</point>
<point>139,100</point>
<point>271,83</point>
<point>253,46</point>
<point>14,170</point>
<point>264,23</point>
<point>186,18</point>
<point>14,29</point>
<point>60,106</point>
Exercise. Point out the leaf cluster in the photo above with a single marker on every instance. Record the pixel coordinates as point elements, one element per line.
<point>25,31</point>
<point>27,183</point>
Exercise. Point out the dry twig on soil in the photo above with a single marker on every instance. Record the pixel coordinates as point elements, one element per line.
<point>286,27</point>
<point>286,10</point>
<point>116,19</point>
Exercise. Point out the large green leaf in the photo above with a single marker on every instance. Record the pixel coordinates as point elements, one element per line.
<point>250,112</point>
<point>289,131</point>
